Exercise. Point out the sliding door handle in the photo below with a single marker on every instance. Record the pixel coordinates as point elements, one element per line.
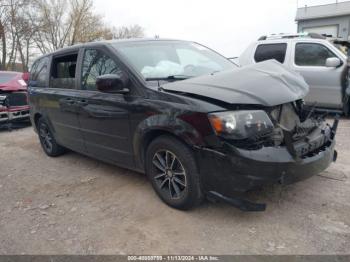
<point>67,101</point>
<point>82,102</point>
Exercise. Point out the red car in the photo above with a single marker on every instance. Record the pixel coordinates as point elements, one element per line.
<point>13,96</point>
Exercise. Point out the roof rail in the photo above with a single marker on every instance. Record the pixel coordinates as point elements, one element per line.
<point>290,36</point>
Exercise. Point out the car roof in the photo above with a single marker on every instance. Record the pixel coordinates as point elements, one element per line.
<point>290,40</point>
<point>75,47</point>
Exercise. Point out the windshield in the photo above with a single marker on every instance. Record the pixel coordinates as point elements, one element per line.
<point>173,59</point>
<point>6,77</point>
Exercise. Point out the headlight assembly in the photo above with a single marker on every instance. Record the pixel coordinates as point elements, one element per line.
<point>240,124</point>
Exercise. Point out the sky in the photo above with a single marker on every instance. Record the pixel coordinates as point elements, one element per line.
<point>227,26</point>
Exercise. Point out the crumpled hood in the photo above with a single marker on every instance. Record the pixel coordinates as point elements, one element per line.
<point>267,83</point>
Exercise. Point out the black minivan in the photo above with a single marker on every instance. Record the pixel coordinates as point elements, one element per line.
<point>197,125</point>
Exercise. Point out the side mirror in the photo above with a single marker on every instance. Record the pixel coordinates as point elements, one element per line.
<point>113,83</point>
<point>333,62</point>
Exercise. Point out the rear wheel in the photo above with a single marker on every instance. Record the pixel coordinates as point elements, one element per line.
<point>47,140</point>
<point>172,170</point>
<point>346,107</point>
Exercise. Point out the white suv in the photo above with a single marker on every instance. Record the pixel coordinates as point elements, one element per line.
<point>324,67</point>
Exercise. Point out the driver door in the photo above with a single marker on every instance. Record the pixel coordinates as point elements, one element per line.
<point>325,82</point>
<point>103,117</point>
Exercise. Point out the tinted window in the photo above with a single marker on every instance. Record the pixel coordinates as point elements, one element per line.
<point>309,54</point>
<point>63,71</point>
<point>6,77</point>
<point>96,63</point>
<point>38,73</point>
<point>271,51</point>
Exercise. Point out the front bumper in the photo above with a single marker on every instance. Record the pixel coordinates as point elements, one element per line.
<point>232,171</point>
<point>14,113</point>
<point>4,116</point>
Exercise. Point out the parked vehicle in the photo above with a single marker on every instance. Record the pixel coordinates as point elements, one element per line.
<point>182,114</point>
<point>324,67</point>
<point>13,97</point>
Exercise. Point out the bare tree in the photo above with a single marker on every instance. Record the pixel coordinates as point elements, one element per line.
<point>50,18</point>
<point>24,34</point>
<point>3,20</point>
<point>31,26</point>
<point>87,26</point>
<point>16,34</point>
<point>67,22</point>
<point>133,31</point>
<point>61,23</point>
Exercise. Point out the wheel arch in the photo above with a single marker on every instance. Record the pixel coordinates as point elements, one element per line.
<point>36,118</point>
<point>40,115</point>
<point>150,136</point>
<point>149,130</point>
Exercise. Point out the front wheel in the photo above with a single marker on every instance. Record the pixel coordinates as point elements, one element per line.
<point>172,170</point>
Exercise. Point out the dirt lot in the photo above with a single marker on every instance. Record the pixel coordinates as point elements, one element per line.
<point>76,205</point>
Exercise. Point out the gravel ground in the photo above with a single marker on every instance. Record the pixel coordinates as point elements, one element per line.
<point>77,205</point>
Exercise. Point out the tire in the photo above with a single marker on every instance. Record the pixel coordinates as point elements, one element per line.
<point>172,171</point>
<point>346,108</point>
<point>47,140</point>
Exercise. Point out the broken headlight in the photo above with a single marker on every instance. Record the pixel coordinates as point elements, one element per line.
<point>241,124</point>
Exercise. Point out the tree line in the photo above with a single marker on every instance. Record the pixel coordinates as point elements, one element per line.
<point>32,27</point>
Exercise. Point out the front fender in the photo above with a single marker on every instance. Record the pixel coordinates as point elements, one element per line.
<point>181,126</point>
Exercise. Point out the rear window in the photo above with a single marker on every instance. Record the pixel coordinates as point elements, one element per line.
<point>271,51</point>
<point>6,77</point>
<point>38,73</point>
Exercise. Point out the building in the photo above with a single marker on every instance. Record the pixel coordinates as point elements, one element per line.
<point>332,19</point>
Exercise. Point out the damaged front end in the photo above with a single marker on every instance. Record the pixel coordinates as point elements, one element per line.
<point>291,144</point>
<point>303,132</point>
<point>13,107</point>
<point>294,126</point>
<point>263,132</point>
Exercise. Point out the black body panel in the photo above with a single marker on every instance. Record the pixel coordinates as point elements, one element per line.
<point>61,112</point>
<point>242,170</point>
<point>117,128</point>
<point>105,127</point>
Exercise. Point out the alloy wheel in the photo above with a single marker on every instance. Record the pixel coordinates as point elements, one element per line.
<point>46,137</point>
<point>171,174</point>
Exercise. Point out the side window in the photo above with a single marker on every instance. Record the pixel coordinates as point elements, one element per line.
<point>38,73</point>
<point>63,71</point>
<point>311,54</point>
<point>96,63</point>
<point>271,51</point>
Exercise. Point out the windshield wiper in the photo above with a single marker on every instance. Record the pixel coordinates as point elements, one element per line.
<point>168,78</point>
